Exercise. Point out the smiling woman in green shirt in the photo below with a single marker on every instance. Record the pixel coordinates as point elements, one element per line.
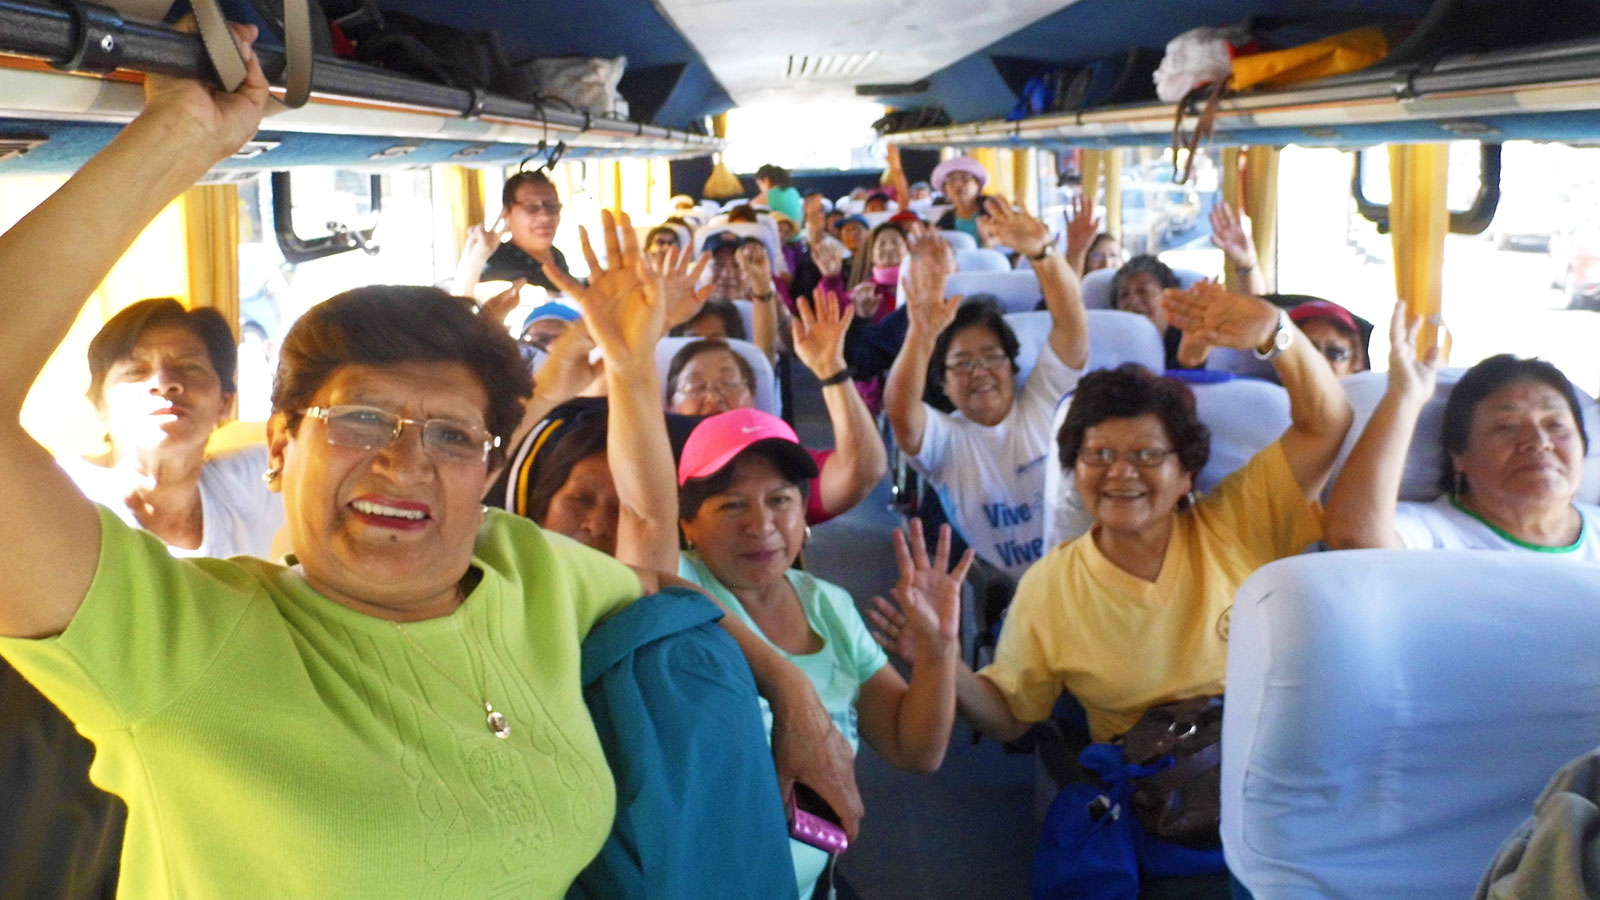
<point>398,712</point>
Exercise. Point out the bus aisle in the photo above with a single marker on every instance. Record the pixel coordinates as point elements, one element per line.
<point>966,831</point>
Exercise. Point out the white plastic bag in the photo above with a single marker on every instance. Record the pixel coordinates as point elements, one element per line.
<point>1195,57</point>
<point>587,84</point>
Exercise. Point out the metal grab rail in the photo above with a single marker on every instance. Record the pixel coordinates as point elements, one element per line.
<point>46,31</point>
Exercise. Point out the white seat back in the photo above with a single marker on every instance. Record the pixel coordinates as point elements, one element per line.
<point>959,240</point>
<point>1425,459</point>
<point>1114,338</point>
<point>1015,291</point>
<point>1245,416</point>
<point>874,219</point>
<point>747,315</point>
<point>766,381</point>
<point>1393,714</point>
<point>981,260</point>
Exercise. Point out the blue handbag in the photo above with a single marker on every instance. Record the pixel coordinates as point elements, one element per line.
<point>1091,846</point>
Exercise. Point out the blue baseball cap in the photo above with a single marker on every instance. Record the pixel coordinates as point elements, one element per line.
<point>550,311</point>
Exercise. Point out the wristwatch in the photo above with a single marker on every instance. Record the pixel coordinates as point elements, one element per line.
<point>1281,338</point>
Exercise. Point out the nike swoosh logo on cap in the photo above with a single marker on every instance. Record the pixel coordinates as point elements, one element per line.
<point>747,429</point>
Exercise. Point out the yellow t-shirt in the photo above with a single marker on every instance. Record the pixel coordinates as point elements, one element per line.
<point>1121,644</point>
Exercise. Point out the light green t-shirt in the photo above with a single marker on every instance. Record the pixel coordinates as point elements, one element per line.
<point>849,656</point>
<point>272,743</point>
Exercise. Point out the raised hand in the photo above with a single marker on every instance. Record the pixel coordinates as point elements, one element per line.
<point>671,279</point>
<point>818,331</point>
<point>482,241</point>
<point>1082,225</point>
<point>932,262</point>
<point>1410,376</point>
<point>1210,314</point>
<point>924,619</point>
<point>827,255</point>
<point>757,266</point>
<point>1016,229</point>
<point>499,306</point>
<point>625,318</point>
<point>1228,234</point>
<point>214,119</point>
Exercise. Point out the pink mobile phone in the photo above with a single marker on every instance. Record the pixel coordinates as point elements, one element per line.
<point>814,822</point>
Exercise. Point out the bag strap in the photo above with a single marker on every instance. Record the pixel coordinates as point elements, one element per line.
<point>1162,782</point>
<point>1202,128</point>
<point>229,62</point>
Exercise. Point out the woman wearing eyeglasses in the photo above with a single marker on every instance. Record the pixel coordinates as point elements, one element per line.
<point>986,458</point>
<point>530,214</point>
<point>397,713</point>
<point>1333,331</point>
<point>1135,612</point>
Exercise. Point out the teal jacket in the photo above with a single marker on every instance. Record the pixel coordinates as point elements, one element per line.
<point>698,809</point>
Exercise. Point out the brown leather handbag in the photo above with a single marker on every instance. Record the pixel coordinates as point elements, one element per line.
<point>1181,803</point>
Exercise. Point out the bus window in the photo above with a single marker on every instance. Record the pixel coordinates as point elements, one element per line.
<point>1527,285</point>
<point>273,293</point>
<point>1169,220</point>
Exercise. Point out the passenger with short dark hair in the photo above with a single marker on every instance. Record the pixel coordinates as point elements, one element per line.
<point>1513,444</point>
<point>1137,288</point>
<point>716,319</point>
<point>522,240</point>
<point>161,379</point>
<point>985,459</point>
<point>778,191</point>
<point>322,729</point>
<point>1134,613</point>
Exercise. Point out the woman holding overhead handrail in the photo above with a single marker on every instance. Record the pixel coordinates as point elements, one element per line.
<point>398,711</point>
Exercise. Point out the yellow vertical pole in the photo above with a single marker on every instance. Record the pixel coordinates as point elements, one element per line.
<point>999,178</point>
<point>1113,175</point>
<point>1261,205</point>
<point>211,236</point>
<point>1023,194</point>
<point>1090,163</point>
<point>1418,221</point>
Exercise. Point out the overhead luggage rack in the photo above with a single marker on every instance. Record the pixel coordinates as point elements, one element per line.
<point>347,98</point>
<point>1540,90</point>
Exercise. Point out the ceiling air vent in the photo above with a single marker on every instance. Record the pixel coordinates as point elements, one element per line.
<point>831,67</point>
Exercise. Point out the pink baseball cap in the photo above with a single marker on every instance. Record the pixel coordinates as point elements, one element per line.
<point>1323,309</point>
<point>718,439</point>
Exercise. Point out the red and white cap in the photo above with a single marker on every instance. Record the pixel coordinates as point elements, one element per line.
<point>718,439</point>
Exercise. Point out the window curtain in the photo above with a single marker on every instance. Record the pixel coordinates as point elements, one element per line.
<point>1260,186</point>
<point>1418,221</point>
<point>211,236</point>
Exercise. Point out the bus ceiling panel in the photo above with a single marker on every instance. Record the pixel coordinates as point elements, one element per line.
<point>348,97</point>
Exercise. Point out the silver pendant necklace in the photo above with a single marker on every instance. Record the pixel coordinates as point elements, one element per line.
<point>498,724</point>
